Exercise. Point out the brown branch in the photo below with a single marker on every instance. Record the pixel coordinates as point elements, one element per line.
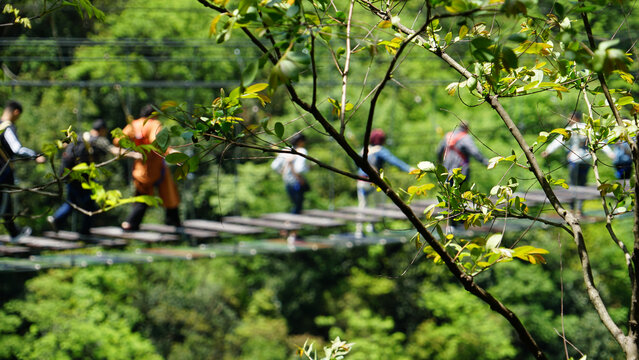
<point>374,177</point>
<point>571,220</point>
<point>294,152</point>
<point>629,346</point>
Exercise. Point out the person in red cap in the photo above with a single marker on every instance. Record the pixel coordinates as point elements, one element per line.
<point>378,156</point>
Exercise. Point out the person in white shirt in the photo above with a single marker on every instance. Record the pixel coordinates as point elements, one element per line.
<point>11,148</point>
<point>292,168</point>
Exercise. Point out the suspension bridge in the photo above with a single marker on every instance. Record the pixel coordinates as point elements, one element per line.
<point>201,238</point>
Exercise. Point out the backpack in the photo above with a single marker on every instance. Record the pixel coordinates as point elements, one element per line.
<point>83,151</point>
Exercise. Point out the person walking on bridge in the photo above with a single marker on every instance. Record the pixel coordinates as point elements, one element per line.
<point>92,147</point>
<point>11,148</point>
<point>151,172</point>
<point>456,149</point>
<point>578,155</point>
<point>292,168</point>
<point>378,156</point>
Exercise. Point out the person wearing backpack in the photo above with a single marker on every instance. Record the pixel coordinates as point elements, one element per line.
<point>10,149</point>
<point>151,172</point>
<point>578,155</point>
<point>91,147</point>
<point>378,156</point>
<point>456,149</point>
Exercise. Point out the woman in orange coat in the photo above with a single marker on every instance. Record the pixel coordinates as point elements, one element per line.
<point>150,173</point>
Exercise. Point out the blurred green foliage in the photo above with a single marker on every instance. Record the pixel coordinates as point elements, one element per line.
<point>265,307</point>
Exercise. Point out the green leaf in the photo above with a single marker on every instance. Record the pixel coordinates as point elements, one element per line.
<point>326,33</point>
<point>278,128</point>
<point>518,37</point>
<point>604,45</point>
<point>162,139</point>
<point>255,88</point>
<point>194,163</point>
<point>457,6</point>
<point>293,10</point>
<point>563,132</point>
<point>482,49</point>
<point>448,38</point>
<point>509,59</point>
<point>176,158</point>
<point>463,30</point>
<point>625,100</point>
<point>234,95</point>
<point>250,72</point>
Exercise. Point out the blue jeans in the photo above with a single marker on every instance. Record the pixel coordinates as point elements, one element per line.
<point>80,197</point>
<point>296,194</point>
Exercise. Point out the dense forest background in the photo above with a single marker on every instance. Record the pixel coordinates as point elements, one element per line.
<point>68,70</point>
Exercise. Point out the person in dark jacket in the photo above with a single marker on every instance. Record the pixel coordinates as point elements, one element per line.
<point>92,147</point>
<point>10,149</point>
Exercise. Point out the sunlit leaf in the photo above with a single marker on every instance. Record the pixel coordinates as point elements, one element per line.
<point>493,241</point>
<point>529,47</point>
<point>384,24</point>
<point>256,88</point>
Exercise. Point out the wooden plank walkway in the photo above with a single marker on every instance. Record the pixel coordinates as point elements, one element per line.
<point>15,251</point>
<point>223,227</point>
<point>169,229</point>
<point>383,213</point>
<point>43,243</point>
<point>90,239</point>
<point>342,216</point>
<point>36,247</point>
<point>267,223</point>
<point>304,219</point>
<point>145,236</point>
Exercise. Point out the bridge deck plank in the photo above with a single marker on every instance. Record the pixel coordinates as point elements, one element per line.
<point>385,213</point>
<point>267,223</point>
<point>342,215</point>
<point>74,236</point>
<point>145,236</point>
<point>223,227</point>
<point>15,251</point>
<point>43,243</point>
<point>169,229</point>
<point>304,219</point>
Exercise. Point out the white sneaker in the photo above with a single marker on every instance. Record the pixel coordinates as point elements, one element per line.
<point>51,221</point>
<point>25,231</point>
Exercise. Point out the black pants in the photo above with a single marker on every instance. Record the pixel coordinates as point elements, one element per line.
<point>6,205</point>
<point>171,217</point>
